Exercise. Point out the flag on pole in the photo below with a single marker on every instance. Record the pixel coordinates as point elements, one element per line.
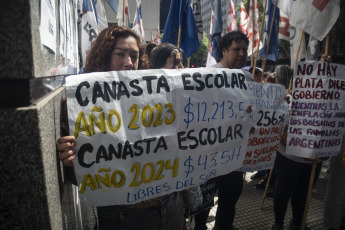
<point>114,5</point>
<point>231,25</point>
<point>284,5</point>
<point>313,49</point>
<point>216,29</point>
<point>157,37</point>
<point>253,32</point>
<point>273,50</point>
<point>284,26</point>
<point>315,17</point>
<point>101,16</point>
<point>88,28</point>
<point>210,59</point>
<point>123,14</point>
<point>181,17</point>
<point>138,22</point>
<point>295,35</point>
<point>244,20</point>
<point>198,19</point>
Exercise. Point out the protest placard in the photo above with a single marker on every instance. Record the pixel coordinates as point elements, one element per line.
<point>144,134</point>
<point>268,120</point>
<point>316,123</point>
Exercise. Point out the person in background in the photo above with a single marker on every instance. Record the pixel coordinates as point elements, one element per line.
<point>293,174</point>
<point>233,48</point>
<point>117,49</point>
<point>257,73</point>
<point>271,78</point>
<point>334,211</point>
<point>283,76</point>
<point>167,56</point>
<point>149,47</point>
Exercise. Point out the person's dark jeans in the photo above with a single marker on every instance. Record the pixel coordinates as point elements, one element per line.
<point>229,190</point>
<point>292,182</point>
<point>169,216</point>
<point>201,220</point>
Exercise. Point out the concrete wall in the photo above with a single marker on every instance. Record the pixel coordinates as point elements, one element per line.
<point>34,193</point>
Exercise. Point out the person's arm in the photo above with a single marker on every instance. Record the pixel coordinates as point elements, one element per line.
<point>65,147</point>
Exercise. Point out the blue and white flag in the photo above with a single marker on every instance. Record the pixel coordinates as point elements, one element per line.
<point>189,42</point>
<point>138,22</point>
<point>114,4</point>
<point>88,29</point>
<point>273,51</point>
<point>216,29</point>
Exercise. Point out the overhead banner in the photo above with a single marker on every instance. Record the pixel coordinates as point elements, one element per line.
<point>144,134</point>
<point>317,117</point>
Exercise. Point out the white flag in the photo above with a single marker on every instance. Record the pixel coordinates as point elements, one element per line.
<point>138,22</point>
<point>123,13</point>
<point>210,60</point>
<point>253,32</point>
<point>157,38</point>
<point>231,25</point>
<point>295,35</point>
<point>313,49</point>
<point>244,20</point>
<point>284,26</point>
<point>101,16</point>
<point>315,17</point>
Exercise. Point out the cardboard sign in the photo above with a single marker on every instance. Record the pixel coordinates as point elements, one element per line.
<point>317,123</point>
<point>268,120</point>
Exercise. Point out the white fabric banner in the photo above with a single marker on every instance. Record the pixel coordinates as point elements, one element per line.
<point>317,123</point>
<point>143,134</point>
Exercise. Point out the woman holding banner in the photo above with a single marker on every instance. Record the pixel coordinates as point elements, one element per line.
<point>117,49</point>
<point>293,174</point>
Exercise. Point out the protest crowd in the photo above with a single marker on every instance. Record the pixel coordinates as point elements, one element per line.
<point>180,161</point>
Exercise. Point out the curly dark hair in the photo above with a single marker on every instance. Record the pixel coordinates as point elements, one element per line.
<point>226,40</point>
<point>99,56</point>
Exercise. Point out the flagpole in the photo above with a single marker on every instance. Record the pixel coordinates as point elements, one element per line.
<point>327,45</point>
<point>298,48</point>
<point>260,36</point>
<point>253,18</point>
<point>123,12</point>
<point>269,37</point>
<point>308,195</point>
<point>266,189</point>
<point>179,37</point>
